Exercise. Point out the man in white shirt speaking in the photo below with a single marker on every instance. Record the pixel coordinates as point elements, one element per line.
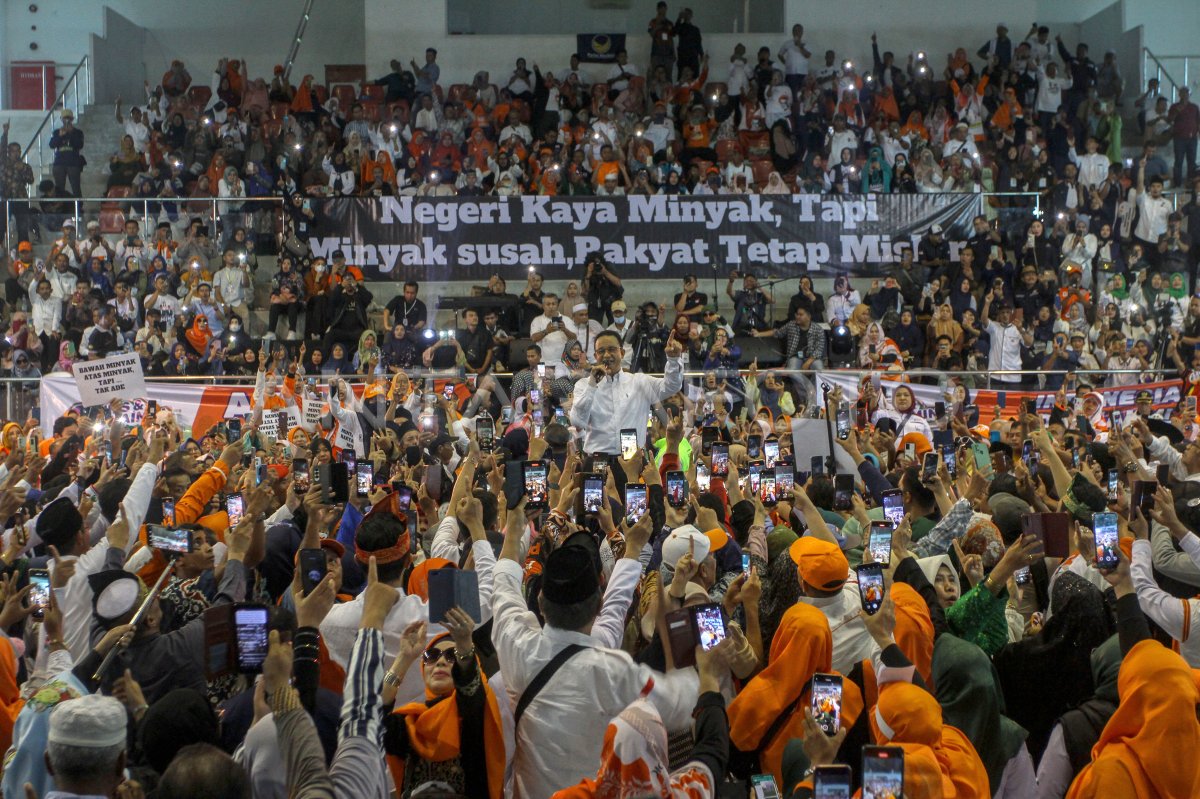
<point>611,399</point>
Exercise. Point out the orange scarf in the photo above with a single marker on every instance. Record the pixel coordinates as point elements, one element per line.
<point>802,646</point>
<point>914,629</point>
<point>1140,754</point>
<point>10,693</point>
<point>198,337</point>
<point>434,729</point>
<point>939,760</point>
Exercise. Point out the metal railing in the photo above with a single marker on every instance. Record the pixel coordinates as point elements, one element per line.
<point>1156,65</point>
<point>148,211</point>
<point>21,395</point>
<point>76,94</point>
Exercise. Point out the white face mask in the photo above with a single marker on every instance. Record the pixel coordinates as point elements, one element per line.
<point>235,327</point>
<point>619,320</point>
<point>320,267</point>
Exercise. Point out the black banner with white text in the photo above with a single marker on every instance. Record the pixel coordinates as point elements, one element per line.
<point>469,238</point>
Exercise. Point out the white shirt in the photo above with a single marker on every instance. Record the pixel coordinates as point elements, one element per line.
<point>587,338</point>
<point>1004,350</point>
<point>228,280</point>
<point>139,133</point>
<point>622,330</point>
<point>554,343</point>
<point>851,641</point>
<point>1173,614</point>
<point>1152,220</point>
<point>795,62</point>
<point>340,628</point>
<point>45,315</point>
<point>659,134</point>
<point>618,403</point>
<point>562,732</point>
<point>740,74</point>
<point>518,130</point>
<point>1049,94</point>
<point>62,284</point>
<point>1093,167</point>
<point>620,84</point>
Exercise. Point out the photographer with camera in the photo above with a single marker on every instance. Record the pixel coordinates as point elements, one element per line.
<point>647,339</point>
<point>750,304</point>
<point>601,288</point>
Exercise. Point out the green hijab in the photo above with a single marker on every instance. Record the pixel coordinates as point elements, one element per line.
<point>1106,665</point>
<point>969,692</point>
<point>1177,293</point>
<point>1121,293</point>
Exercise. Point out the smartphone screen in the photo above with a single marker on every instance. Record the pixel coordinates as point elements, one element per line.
<point>535,396</point>
<point>702,478</point>
<point>300,475</point>
<point>766,488</point>
<point>1023,576</point>
<point>720,459</point>
<point>593,493</point>
<point>870,586</point>
<point>770,452</point>
<point>636,502</point>
<point>910,452</point>
<point>832,782</point>
<point>843,490</point>
<point>883,771</point>
<point>1027,451</point>
<point>537,492</point>
<point>39,594</point>
<point>754,476</point>
<point>951,460</point>
<point>893,506</point>
<point>1162,473</point>
<point>754,445</point>
<point>710,625</point>
<point>600,465</point>
<point>881,543</point>
<point>235,507</point>
<point>629,444</point>
<point>826,698</point>
<point>312,569</point>
<point>785,482</point>
<point>448,391</point>
<point>168,514</point>
<point>677,489</point>
<point>929,467</point>
<point>1114,484</point>
<point>168,539</point>
<point>349,458</point>
<point>764,786</point>
<point>364,476</point>
<point>843,421</point>
<point>746,563</point>
<point>818,465</point>
<point>404,497</point>
<point>250,631</point>
<point>1104,525</point>
<point>506,414</point>
<point>708,436</point>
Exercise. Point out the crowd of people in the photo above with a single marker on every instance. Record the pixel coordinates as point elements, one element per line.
<point>573,546</point>
<point>403,585</point>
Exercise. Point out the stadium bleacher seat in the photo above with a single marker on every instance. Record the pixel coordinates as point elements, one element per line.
<point>725,149</point>
<point>762,171</point>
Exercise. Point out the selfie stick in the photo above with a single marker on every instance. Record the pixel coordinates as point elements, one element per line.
<point>135,621</point>
<point>831,461</point>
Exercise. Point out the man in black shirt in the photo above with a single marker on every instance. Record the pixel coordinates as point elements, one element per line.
<point>406,309</point>
<point>691,44</point>
<point>401,85</point>
<point>690,302</point>
<point>602,288</point>
<point>475,343</point>
<point>348,303</point>
<point>933,252</point>
<point>983,239</point>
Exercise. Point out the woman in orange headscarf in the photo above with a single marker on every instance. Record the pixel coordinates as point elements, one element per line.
<point>939,760</point>
<point>10,438</point>
<point>10,693</point>
<point>1148,748</point>
<point>198,335</point>
<point>770,709</point>
<point>454,736</point>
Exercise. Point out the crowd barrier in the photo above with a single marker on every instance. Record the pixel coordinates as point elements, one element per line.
<point>200,402</point>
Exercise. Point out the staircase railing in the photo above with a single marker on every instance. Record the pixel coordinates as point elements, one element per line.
<point>1156,66</point>
<point>75,95</point>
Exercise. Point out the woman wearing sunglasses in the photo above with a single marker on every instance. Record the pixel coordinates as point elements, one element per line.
<point>454,736</point>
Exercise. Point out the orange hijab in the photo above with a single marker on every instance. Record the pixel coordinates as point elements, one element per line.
<point>802,646</point>
<point>1147,749</point>
<point>199,336</point>
<point>939,760</point>
<point>434,728</point>
<point>10,692</point>
<point>914,629</point>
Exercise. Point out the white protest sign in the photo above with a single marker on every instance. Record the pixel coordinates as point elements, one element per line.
<point>115,377</point>
<point>312,413</point>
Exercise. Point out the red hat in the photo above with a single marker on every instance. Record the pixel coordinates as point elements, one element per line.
<point>24,246</point>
